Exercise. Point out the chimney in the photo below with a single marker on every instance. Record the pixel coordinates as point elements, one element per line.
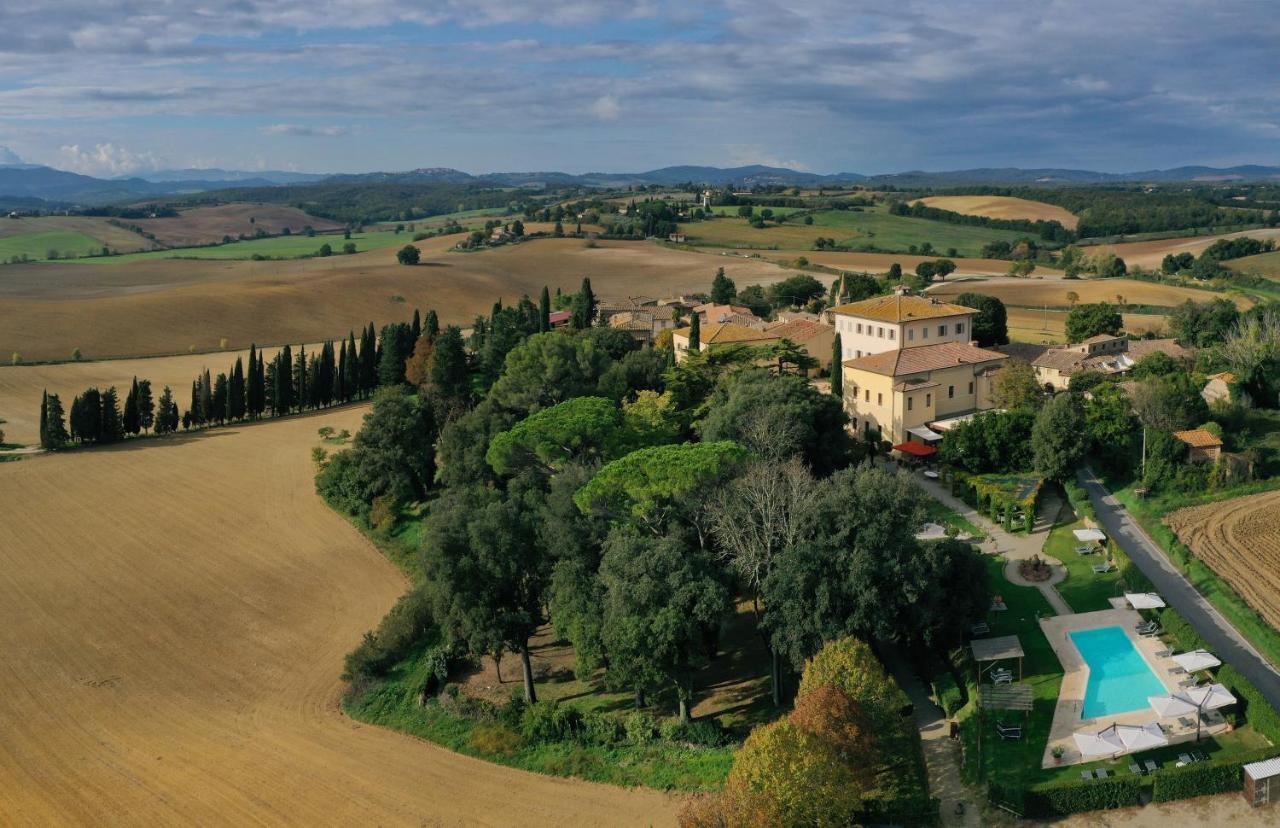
<point>902,290</point>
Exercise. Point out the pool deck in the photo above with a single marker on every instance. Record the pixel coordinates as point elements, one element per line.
<point>1066,716</point>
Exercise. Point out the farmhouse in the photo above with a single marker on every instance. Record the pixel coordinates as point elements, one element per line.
<point>1104,353</point>
<point>902,393</point>
<point>727,313</point>
<point>1202,446</point>
<point>814,338</point>
<point>641,324</point>
<point>896,322</point>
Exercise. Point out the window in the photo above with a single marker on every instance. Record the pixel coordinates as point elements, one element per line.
<point>911,333</point>
<point>970,387</point>
<point>959,327</point>
<point>942,330</point>
<point>879,399</point>
<point>859,327</point>
<point>910,400</point>
<point>928,399</point>
<point>925,329</point>
<point>951,392</point>
<point>880,333</point>
<point>859,354</point>
<point>868,395</point>
<point>893,334</point>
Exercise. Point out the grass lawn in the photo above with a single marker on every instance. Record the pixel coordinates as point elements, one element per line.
<point>278,247</point>
<point>39,245</point>
<point>1084,590</point>
<point>941,514</point>
<point>732,210</point>
<point>1016,762</point>
<point>870,229</point>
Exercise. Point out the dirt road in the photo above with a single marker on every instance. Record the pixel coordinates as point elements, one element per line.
<point>173,619</point>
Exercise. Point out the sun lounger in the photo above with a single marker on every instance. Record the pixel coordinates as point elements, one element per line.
<point>1151,766</point>
<point>981,628</point>
<point>1009,732</point>
<point>1197,756</point>
<point>1162,653</point>
<point>1084,774</point>
<point>1102,569</point>
<point>1177,671</point>
<point>1101,773</point>
<point>1185,758</point>
<point>1084,550</point>
<point>1146,625</point>
<point>1187,723</point>
<point>1150,632</point>
<point>1135,769</point>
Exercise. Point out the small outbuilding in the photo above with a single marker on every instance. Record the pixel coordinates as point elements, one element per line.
<point>1262,782</point>
<point>1202,446</point>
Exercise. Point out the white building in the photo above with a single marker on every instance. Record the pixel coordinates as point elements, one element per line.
<point>891,323</point>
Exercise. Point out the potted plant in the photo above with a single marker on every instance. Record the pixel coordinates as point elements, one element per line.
<point>1057,752</point>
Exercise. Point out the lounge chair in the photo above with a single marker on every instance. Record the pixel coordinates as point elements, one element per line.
<point>1009,732</point>
<point>1187,723</point>
<point>1150,632</point>
<point>1177,671</point>
<point>1185,758</point>
<point>1084,550</point>
<point>1002,679</point>
<point>981,628</point>
<point>1101,773</point>
<point>1086,774</point>
<point>1197,756</point>
<point>1151,766</point>
<point>1145,626</point>
<point>1103,568</point>
<point>1135,769</point>
<point>1162,653</point>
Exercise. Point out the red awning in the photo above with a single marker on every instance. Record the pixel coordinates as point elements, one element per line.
<point>915,449</point>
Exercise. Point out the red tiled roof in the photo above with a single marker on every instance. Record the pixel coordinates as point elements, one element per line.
<point>926,358</point>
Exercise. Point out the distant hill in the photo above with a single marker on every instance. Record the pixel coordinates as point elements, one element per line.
<point>22,182</point>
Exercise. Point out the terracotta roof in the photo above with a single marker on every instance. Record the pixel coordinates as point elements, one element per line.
<point>1059,358</point>
<point>1098,338</point>
<point>1025,351</point>
<point>720,333</point>
<point>801,330</point>
<point>1198,438</point>
<point>926,358</point>
<point>1225,376</point>
<point>1138,348</point>
<point>896,308</point>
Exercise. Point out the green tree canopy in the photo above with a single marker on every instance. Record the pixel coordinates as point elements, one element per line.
<point>723,290</point>
<point>1055,437</point>
<point>991,324</point>
<point>1015,386</point>
<point>407,255</point>
<point>991,441</point>
<point>1084,321</point>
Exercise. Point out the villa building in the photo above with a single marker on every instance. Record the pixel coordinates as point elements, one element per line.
<point>814,338</point>
<point>910,367</point>
<point>1103,353</point>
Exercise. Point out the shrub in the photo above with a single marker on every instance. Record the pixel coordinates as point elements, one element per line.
<point>409,622</point>
<point>512,713</point>
<point>641,728</point>
<point>1251,706</point>
<point>496,740</point>
<point>1201,779</point>
<point>1065,798</point>
<point>602,729</point>
<point>550,722</point>
<point>800,775</point>
<point>458,703</point>
<point>950,697</point>
<point>705,733</point>
<point>1179,632</point>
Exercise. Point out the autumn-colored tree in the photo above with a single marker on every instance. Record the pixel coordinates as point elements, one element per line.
<point>417,368</point>
<point>849,665</point>
<point>831,715</point>
<point>799,774</point>
<point>1015,386</point>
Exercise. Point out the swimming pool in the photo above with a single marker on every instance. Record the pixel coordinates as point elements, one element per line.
<point>1120,680</point>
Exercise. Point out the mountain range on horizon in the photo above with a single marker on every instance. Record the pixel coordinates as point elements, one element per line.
<point>29,185</point>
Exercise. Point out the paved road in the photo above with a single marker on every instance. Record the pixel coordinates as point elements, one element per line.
<point>1223,639</point>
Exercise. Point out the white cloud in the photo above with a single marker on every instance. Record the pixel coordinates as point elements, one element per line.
<point>8,156</point>
<point>606,108</point>
<point>1086,83</point>
<point>306,131</point>
<point>106,159</point>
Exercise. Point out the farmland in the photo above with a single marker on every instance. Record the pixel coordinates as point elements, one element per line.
<point>1003,207</point>
<point>1039,326</point>
<point>1263,264</point>
<point>164,307</point>
<point>881,262</point>
<point>1038,293</point>
<point>276,247</point>
<point>872,228</point>
<point>187,606</point>
<point>206,225</point>
<point>1150,253</point>
<point>1240,540</point>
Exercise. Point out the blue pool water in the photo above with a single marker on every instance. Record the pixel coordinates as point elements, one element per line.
<point>1119,678</point>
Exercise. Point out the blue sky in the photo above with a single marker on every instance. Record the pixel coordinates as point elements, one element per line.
<point>123,86</point>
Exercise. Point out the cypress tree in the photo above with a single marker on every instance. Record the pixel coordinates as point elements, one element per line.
<point>132,422</point>
<point>44,420</point>
<point>584,306</point>
<point>111,428</point>
<point>368,361</point>
<point>206,398</point>
<point>284,382</point>
<point>53,432</point>
<point>695,333</point>
<point>394,353</point>
<point>352,378</point>
<point>251,404</point>
<point>837,369</point>
<point>262,385</point>
<point>167,415</point>
<point>433,326</point>
<point>146,405</point>
<point>300,378</point>
<point>449,365</point>
<point>236,392</point>
<point>416,327</point>
<point>544,310</point>
<point>193,411</point>
<point>340,375</point>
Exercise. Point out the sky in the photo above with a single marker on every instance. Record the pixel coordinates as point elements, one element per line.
<point>120,87</point>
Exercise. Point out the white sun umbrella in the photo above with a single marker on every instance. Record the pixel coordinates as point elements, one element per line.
<point>1144,600</point>
<point>1137,738</point>
<point>1085,535</point>
<point>1196,660</point>
<point>1167,707</point>
<point>1093,745</point>
<point>1208,696</point>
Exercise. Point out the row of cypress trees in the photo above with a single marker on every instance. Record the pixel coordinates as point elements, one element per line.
<point>97,416</point>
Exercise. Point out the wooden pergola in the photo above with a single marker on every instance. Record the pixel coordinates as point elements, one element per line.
<point>987,652</point>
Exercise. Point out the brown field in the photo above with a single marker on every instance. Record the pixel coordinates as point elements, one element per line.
<point>117,238</point>
<point>1263,264</point>
<point>1032,292</point>
<point>1003,207</point>
<point>1240,540</point>
<point>880,262</point>
<point>173,617</point>
<point>1150,253</point>
<point>173,306</point>
<point>205,225</point>
<point>1037,326</point>
<point>22,385</point>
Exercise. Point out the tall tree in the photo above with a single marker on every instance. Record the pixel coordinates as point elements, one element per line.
<point>695,333</point>
<point>1015,386</point>
<point>449,372</point>
<point>146,405</point>
<point>206,397</point>
<point>991,325</point>
<point>544,310</point>
<point>1056,442</point>
<point>131,420</point>
<point>253,385</point>
<point>300,378</point>
<point>432,329</point>
<point>723,290</point>
<point>220,404</point>
<point>53,430</point>
<point>584,306</point>
<point>44,419</point>
<point>837,368</point>
<point>236,391</point>
<point>1084,321</point>
<point>415,329</point>
<point>111,428</point>
<point>167,413</point>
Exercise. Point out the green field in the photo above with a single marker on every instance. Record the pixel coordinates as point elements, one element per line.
<point>871,229</point>
<point>732,210</point>
<point>39,245</point>
<point>459,216</point>
<point>278,247</point>
<point>1263,264</point>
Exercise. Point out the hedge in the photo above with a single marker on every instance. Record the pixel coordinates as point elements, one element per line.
<point>1061,799</point>
<point>950,697</point>
<point>904,811</point>
<point>1201,779</point>
<point>1179,631</point>
<point>1251,705</point>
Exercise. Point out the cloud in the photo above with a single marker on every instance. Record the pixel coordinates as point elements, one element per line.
<point>8,157</point>
<point>606,108</point>
<point>106,159</point>
<point>306,131</point>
